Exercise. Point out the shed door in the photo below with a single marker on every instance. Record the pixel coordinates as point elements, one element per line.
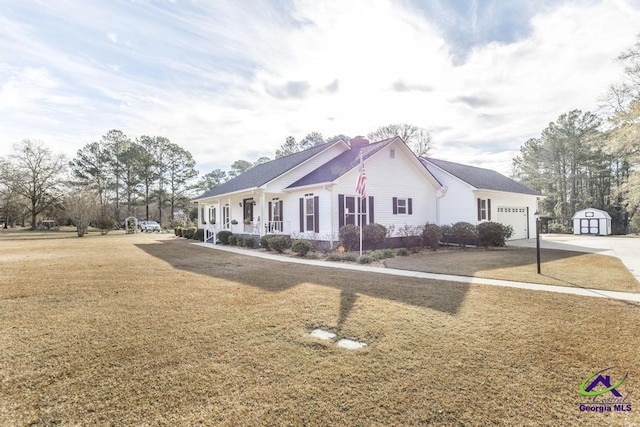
<point>516,217</point>
<point>589,226</point>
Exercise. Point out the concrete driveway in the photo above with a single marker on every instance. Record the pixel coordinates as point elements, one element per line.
<point>627,248</point>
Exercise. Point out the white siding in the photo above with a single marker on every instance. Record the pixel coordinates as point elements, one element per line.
<point>498,199</point>
<point>387,177</point>
<point>291,208</point>
<point>459,203</point>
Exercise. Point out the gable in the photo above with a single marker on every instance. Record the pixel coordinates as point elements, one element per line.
<point>266,172</point>
<point>349,161</point>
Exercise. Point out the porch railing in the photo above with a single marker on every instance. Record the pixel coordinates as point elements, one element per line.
<point>277,227</point>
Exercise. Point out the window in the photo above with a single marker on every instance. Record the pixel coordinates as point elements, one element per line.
<point>212,215</point>
<point>484,209</point>
<point>402,206</point>
<point>310,213</point>
<point>392,153</point>
<point>309,209</point>
<point>202,220</point>
<point>347,211</point>
<point>351,210</point>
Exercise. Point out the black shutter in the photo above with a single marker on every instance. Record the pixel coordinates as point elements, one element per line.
<point>395,206</point>
<point>371,221</point>
<point>302,214</point>
<point>270,213</point>
<point>340,210</point>
<point>489,209</point>
<point>280,211</point>
<point>479,209</point>
<point>316,214</point>
<point>410,202</point>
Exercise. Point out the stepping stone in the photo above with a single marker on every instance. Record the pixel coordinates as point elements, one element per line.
<point>323,335</point>
<point>350,344</point>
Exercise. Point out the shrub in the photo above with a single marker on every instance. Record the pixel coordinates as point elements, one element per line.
<point>301,247</point>
<point>249,242</point>
<point>279,243</point>
<point>350,236</point>
<point>403,252</point>
<point>373,235</point>
<point>199,235</point>
<point>493,233</point>
<point>223,236</point>
<point>188,233</point>
<point>464,233</point>
<point>365,259</point>
<point>446,232</point>
<point>431,235</point>
<point>178,231</point>
<point>106,224</point>
<point>347,256</point>
<point>388,253</point>
<point>264,242</point>
<point>233,240</point>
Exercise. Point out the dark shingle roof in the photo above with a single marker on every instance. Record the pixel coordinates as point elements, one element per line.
<point>265,172</point>
<point>482,179</point>
<point>341,164</point>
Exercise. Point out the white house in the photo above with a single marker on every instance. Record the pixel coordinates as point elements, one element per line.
<point>311,194</point>
<point>476,194</point>
<point>592,221</point>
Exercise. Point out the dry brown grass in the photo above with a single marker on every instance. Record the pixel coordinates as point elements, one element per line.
<point>149,329</point>
<point>558,267</point>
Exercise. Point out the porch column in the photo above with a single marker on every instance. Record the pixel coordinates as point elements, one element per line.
<point>262,221</point>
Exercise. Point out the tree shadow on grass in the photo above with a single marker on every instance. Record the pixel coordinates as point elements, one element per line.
<point>277,276</point>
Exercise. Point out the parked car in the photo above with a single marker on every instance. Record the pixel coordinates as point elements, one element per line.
<point>150,226</point>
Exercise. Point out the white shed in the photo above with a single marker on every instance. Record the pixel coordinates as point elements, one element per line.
<point>592,221</point>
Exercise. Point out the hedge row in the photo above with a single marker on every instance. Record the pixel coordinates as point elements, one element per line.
<point>428,235</point>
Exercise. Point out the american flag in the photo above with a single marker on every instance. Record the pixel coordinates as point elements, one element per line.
<point>362,180</point>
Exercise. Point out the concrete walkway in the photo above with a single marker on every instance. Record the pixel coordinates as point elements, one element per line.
<point>625,296</point>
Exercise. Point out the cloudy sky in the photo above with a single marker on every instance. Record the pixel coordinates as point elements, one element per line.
<point>232,79</point>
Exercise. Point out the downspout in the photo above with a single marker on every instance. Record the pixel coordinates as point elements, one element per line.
<point>440,193</point>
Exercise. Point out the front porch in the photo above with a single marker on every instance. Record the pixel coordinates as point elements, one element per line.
<point>252,228</point>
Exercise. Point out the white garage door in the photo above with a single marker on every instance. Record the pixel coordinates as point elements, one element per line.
<point>516,217</point>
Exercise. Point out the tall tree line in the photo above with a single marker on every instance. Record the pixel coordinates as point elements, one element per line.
<point>586,160</point>
<point>127,173</point>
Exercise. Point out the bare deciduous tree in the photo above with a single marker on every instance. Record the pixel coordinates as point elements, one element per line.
<point>417,139</point>
<point>81,207</point>
<point>38,176</point>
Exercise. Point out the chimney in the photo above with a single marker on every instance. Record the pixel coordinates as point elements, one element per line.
<point>358,142</point>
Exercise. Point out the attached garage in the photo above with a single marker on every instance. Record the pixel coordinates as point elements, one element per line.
<point>592,221</point>
<point>517,218</point>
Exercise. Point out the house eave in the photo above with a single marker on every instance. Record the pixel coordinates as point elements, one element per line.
<point>226,195</point>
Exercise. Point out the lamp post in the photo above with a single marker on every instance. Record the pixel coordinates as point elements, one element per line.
<point>537,215</point>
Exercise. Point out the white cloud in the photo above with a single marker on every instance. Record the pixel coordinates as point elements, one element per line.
<point>224,80</point>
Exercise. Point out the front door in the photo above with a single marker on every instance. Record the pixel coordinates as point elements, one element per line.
<point>248,210</point>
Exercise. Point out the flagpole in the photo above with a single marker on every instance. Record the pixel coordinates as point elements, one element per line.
<point>361,190</point>
<point>360,221</point>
